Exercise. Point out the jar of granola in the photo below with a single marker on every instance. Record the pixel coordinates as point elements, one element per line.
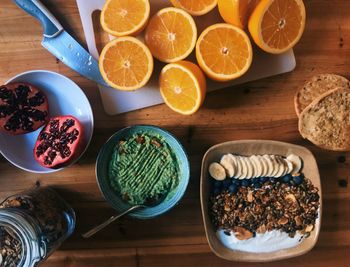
<point>33,224</point>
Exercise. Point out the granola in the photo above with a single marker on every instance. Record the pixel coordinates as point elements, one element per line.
<point>273,206</point>
<point>10,248</point>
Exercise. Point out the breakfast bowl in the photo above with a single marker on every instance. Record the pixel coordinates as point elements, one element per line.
<point>238,243</point>
<point>64,98</point>
<point>117,178</point>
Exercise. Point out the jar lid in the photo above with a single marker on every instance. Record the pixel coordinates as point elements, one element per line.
<point>23,227</point>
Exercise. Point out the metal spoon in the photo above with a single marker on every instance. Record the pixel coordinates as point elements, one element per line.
<point>97,228</point>
<point>110,220</point>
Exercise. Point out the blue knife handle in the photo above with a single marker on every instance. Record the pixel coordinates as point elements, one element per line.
<point>35,8</point>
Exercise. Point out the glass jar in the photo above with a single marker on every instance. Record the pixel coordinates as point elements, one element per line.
<point>33,224</point>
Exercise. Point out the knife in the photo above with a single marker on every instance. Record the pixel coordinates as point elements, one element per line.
<point>62,45</point>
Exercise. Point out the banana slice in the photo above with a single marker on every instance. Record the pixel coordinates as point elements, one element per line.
<point>270,166</point>
<point>255,167</point>
<point>244,168</point>
<point>258,167</point>
<point>281,166</point>
<point>238,172</point>
<point>230,167</point>
<point>272,169</point>
<point>289,166</point>
<point>234,160</point>
<point>250,167</point>
<point>275,165</point>
<point>217,171</point>
<point>296,161</point>
<point>264,165</point>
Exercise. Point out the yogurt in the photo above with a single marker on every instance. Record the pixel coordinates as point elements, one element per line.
<point>267,242</point>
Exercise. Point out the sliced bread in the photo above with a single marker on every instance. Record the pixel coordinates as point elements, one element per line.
<point>326,121</point>
<point>317,86</point>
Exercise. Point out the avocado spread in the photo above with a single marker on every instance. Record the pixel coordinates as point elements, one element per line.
<point>143,169</point>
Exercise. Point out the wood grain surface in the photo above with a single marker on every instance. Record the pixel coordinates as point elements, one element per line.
<point>258,110</point>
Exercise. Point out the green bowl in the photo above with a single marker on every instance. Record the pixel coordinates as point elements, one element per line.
<point>113,198</point>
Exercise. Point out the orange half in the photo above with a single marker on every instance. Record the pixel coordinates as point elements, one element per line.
<point>195,7</point>
<point>224,52</point>
<point>171,34</point>
<point>124,17</point>
<point>236,12</point>
<point>183,87</point>
<point>126,63</point>
<point>277,25</point>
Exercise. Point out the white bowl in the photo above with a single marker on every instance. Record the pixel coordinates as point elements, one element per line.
<point>65,98</point>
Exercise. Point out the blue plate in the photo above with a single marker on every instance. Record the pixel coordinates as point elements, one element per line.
<point>109,193</point>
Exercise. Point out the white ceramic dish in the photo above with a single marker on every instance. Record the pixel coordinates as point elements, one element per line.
<point>65,98</point>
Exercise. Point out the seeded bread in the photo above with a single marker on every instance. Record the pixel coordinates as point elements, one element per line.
<point>317,86</point>
<point>326,121</point>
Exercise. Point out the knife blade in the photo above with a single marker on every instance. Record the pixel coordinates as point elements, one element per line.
<point>72,54</point>
<point>61,44</point>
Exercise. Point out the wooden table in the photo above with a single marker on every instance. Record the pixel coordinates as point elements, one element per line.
<point>258,110</point>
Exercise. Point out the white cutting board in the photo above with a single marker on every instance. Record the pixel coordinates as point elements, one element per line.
<point>116,102</point>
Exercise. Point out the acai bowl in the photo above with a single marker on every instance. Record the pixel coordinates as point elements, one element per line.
<point>140,165</point>
<point>261,200</point>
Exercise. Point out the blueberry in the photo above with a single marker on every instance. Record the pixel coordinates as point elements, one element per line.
<point>255,180</point>
<point>286,178</point>
<point>216,191</point>
<point>263,179</point>
<point>236,182</point>
<point>272,179</point>
<point>233,188</point>
<point>298,180</point>
<point>217,184</point>
<point>257,185</point>
<point>245,182</point>
<point>226,183</point>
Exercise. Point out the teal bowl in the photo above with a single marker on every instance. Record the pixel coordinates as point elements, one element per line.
<point>112,196</point>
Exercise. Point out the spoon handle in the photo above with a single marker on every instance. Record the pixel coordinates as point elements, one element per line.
<point>109,221</point>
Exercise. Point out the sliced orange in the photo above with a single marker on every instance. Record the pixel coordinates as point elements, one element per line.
<point>277,25</point>
<point>183,87</point>
<point>237,12</point>
<point>171,34</point>
<point>224,52</point>
<point>195,7</point>
<point>126,63</point>
<point>125,17</point>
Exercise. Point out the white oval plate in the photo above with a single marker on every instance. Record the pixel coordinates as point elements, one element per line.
<point>65,98</point>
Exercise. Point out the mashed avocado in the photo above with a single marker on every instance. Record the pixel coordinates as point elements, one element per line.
<point>143,169</point>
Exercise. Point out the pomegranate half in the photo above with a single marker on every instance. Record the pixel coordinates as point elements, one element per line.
<point>60,142</point>
<point>23,108</point>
